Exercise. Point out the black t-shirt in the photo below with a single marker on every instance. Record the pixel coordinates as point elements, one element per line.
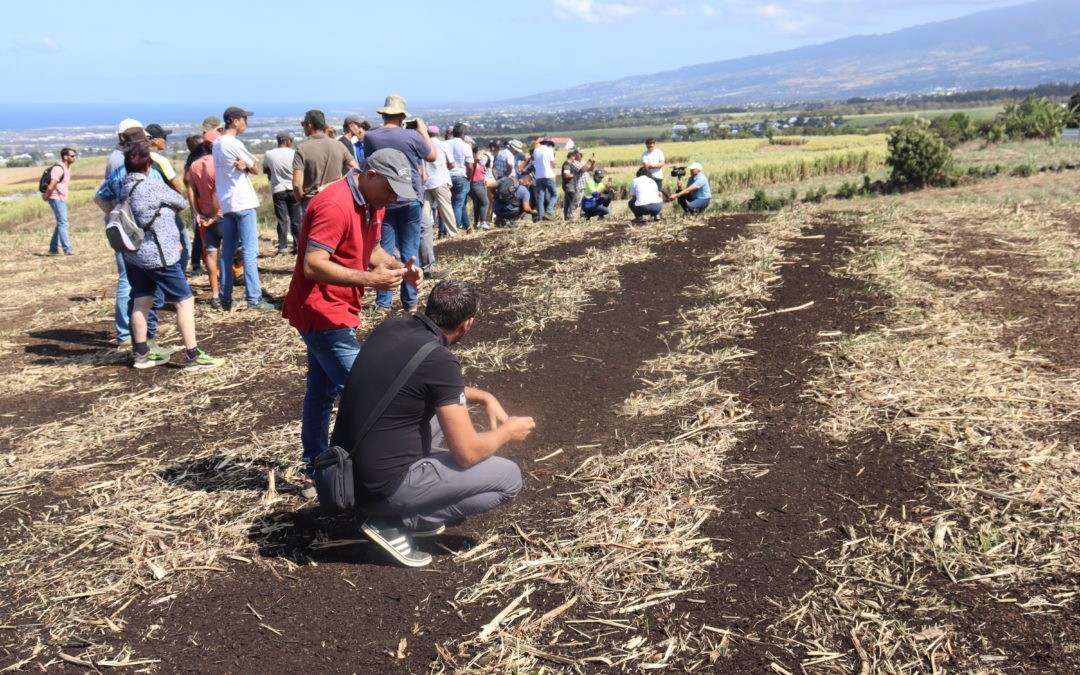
<point>402,434</point>
<point>567,183</point>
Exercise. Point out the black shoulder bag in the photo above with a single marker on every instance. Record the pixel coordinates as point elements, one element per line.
<point>334,468</point>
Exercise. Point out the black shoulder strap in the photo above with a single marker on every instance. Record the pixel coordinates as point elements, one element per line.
<point>393,390</point>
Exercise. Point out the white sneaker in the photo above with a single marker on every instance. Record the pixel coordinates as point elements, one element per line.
<point>484,226</point>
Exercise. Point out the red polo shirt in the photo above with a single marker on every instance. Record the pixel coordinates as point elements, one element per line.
<point>338,222</point>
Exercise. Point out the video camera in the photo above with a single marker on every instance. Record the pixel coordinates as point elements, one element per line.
<point>678,171</point>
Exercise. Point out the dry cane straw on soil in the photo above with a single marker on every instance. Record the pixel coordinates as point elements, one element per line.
<point>136,526</point>
<point>939,378</point>
<point>632,543</point>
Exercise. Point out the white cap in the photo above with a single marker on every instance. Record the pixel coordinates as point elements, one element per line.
<point>693,166</point>
<point>127,124</point>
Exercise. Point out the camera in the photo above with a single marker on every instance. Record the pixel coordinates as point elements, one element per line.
<point>411,124</point>
<point>678,171</point>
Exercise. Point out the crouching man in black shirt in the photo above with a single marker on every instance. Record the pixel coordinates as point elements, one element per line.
<point>423,466</point>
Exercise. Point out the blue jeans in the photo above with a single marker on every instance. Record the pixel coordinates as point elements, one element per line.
<point>546,196</point>
<point>185,243</point>
<point>401,238</point>
<point>693,205</point>
<point>124,303</point>
<point>240,227</point>
<point>598,211</point>
<point>459,192</point>
<point>60,234</point>
<point>330,356</point>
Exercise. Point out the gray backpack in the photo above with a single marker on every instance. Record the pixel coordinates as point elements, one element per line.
<point>123,231</point>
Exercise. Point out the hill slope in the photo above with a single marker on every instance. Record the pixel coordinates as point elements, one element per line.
<point>1012,46</point>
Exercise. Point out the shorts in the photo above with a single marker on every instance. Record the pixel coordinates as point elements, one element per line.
<point>211,235</point>
<point>170,280</point>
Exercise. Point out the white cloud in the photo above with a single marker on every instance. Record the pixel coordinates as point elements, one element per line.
<point>600,11</point>
<point>794,18</point>
<point>44,44</point>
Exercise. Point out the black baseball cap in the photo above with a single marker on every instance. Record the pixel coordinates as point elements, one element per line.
<point>156,131</point>
<point>233,112</point>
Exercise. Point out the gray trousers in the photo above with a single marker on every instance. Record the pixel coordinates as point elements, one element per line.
<point>571,201</point>
<point>436,490</point>
<point>435,197</point>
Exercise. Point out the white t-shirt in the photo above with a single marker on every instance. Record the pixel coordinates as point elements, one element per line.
<point>654,157</point>
<point>645,192</point>
<point>459,152</point>
<point>437,172</point>
<point>278,163</point>
<point>543,158</point>
<point>234,188</point>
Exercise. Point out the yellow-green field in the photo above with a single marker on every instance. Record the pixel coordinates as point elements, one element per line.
<point>740,163</point>
<point>982,114</point>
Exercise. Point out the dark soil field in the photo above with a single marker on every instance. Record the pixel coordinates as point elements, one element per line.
<point>838,439</point>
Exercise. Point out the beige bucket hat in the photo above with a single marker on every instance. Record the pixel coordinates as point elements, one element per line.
<point>394,105</point>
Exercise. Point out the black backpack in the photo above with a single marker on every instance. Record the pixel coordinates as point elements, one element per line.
<point>506,191</point>
<point>46,178</point>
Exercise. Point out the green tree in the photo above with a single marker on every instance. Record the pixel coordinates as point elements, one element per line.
<point>954,129</point>
<point>1074,109</point>
<point>1033,117</point>
<point>917,156</point>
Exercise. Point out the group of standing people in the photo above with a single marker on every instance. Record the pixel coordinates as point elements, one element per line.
<point>503,184</point>
<point>152,274</point>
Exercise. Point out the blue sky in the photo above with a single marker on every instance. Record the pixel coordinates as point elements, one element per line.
<point>431,52</point>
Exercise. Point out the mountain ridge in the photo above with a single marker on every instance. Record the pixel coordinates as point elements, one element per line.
<point>1019,45</point>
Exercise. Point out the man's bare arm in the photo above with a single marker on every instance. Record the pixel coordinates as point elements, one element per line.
<point>496,414</point>
<point>318,266</point>
<point>298,184</point>
<point>467,446</point>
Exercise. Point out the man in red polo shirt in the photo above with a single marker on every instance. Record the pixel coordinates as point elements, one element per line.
<point>338,256</point>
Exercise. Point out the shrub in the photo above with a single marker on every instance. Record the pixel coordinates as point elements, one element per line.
<point>917,156</point>
<point>847,190</point>
<point>762,202</point>
<point>1033,117</point>
<point>954,129</point>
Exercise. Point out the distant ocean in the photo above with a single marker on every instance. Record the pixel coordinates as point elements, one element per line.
<point>19,117</point>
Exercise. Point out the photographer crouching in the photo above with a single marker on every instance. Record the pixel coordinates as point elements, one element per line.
<point>697,195</point>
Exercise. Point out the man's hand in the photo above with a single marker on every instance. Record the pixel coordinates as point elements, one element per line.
<point>519,428</point>
<point>414,275</point>
<point>240,165</point>
<point>385,279</point>
<point>496,415</point>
